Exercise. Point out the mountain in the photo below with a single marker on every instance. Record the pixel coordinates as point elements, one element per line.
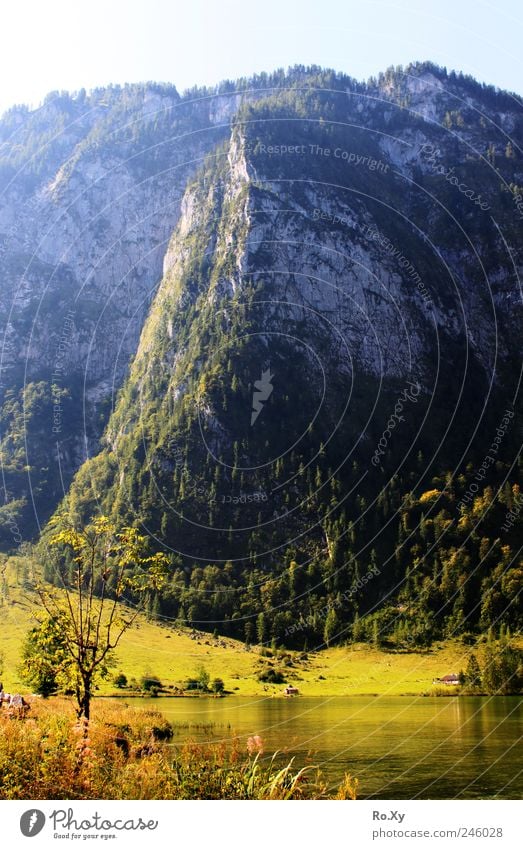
<point>276,325</point>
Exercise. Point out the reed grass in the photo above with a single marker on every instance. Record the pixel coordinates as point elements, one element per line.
<point>125,753</point>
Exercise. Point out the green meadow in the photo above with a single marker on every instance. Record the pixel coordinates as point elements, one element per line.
<point>174,654</point>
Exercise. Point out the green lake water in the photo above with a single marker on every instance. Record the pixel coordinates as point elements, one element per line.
<point>398,747</point>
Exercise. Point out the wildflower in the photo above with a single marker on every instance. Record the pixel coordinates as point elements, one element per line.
<point>255,745</point>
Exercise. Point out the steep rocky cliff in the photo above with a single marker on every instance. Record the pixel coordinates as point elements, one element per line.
<point>289,298</point>
<point>91,194</point>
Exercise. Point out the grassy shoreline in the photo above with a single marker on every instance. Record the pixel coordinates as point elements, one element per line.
<point>174,655</point>
<point>131,754</point>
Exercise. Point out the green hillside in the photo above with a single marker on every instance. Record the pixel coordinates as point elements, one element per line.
<point>175,654</point>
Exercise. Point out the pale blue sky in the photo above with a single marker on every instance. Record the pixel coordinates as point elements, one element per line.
<point>70,44</point>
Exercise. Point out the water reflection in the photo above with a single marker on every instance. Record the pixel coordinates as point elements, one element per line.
<point>398,747</point>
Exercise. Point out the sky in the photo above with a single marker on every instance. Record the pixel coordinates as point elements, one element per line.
<point>48,45</point>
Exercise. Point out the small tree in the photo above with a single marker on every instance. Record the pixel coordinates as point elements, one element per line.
<point>46,663</point>
<point>502,670</point>
<point>120,680</point>
<point>358,629</point>
<point>332,627</point>
<point>110,566</point>
<point>490,673</point>
<point>218,686</point>
<point>261,628</point>
<point>473,672</point>
<point>203,678</point>
<point>510,667</point>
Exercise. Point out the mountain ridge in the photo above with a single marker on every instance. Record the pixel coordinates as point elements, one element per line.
<point>327,236</point>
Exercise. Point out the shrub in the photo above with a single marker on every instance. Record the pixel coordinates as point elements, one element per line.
<point>200,682</point>
<point>271,676</point>
<point>150,681</point>
<point>120,680</point>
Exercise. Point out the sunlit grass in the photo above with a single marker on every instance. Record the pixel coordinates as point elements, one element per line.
<point>131,754</point>
<point>171,654</point>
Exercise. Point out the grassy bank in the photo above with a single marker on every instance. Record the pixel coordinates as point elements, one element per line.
<point>130,754</point>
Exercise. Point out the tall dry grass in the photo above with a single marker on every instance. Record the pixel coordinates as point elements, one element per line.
<point>129,754</point>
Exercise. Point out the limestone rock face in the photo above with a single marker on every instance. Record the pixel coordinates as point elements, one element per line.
<point>374,224</point>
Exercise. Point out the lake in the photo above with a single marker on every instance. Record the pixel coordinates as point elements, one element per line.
<point>398,747</point>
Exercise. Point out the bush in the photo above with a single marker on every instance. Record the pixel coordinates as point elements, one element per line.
<point>218,686</point>
<point>271,676</point>
<point>200,682</point>
<point>120,680</point>
<point>150,681</point>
